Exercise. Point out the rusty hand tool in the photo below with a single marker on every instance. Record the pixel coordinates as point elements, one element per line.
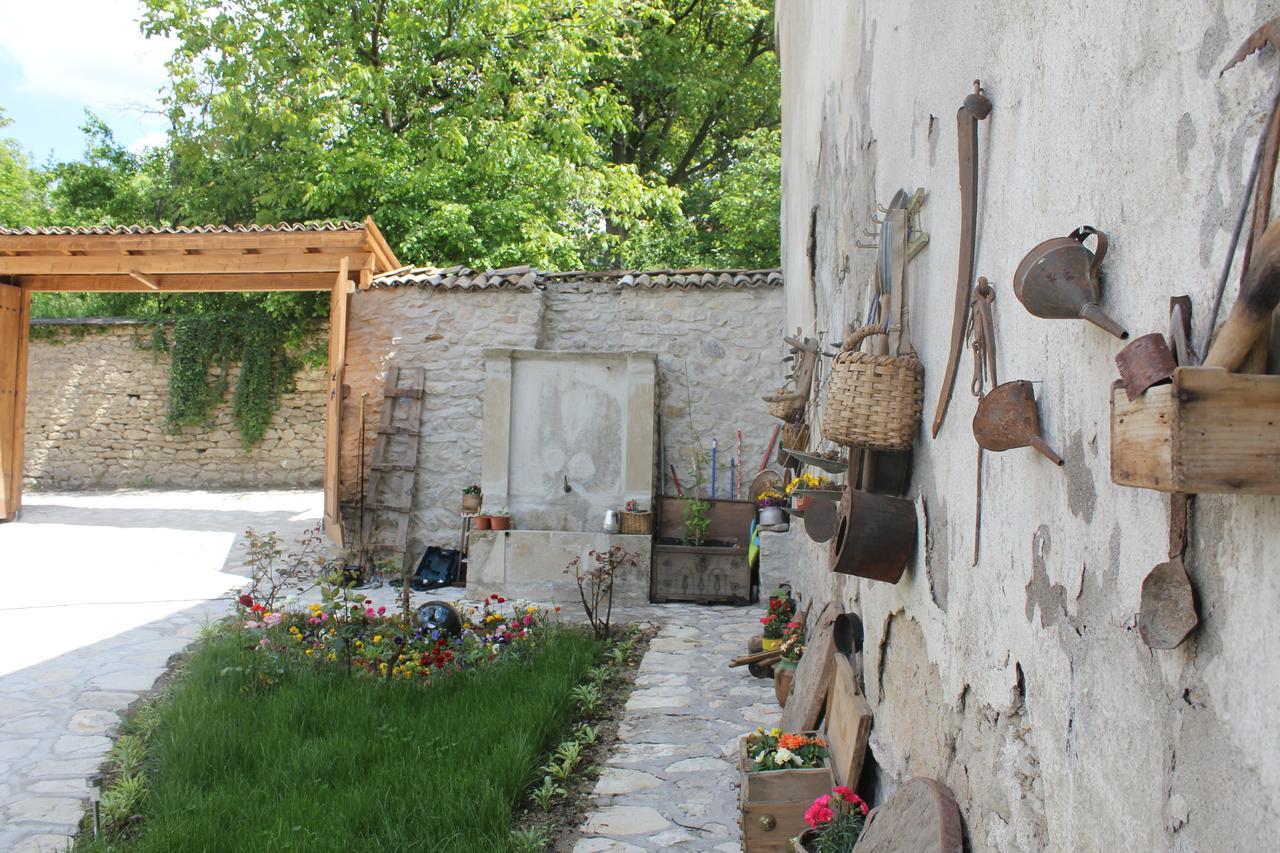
<point>975,108</point>
<point>1268,147</point>
<point>982,338</point>
<point>1059,280</point>
<point>1251,314</point>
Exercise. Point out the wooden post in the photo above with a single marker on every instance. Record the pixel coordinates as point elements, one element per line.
<point>339,302</point>
<point>15,318</point>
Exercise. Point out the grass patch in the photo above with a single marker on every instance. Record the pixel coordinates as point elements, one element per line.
<point>323,761</point>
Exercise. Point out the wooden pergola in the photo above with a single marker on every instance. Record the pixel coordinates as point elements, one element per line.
<point>332,256</point>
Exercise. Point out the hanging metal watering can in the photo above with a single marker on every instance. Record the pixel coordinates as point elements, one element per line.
<point>1058,280</point>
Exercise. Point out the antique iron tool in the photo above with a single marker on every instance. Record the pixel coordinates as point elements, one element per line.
<point>1058,280</point>
<point>982,338</point>
<point>1007,418</point>
<point>975,108</point>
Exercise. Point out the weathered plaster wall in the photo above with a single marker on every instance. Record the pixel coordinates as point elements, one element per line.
<point>96,410</point>
<point>726,341</point>
<point>1022,681</point>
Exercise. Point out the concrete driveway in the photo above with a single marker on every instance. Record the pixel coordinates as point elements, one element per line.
<point>101,589</point>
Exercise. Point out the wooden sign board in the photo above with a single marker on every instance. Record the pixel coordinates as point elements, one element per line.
<point>848,723</point>
<point>813,675</point>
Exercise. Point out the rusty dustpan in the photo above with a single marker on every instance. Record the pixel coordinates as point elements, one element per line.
<point>1007,418</point>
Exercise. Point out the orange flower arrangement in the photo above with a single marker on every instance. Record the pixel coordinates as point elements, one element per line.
<point>796,741</point>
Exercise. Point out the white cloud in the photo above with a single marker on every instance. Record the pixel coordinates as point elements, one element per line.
<point>86,51</point>
<point>154,139</point>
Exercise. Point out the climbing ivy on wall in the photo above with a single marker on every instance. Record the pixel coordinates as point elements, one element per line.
<point>205,348</point>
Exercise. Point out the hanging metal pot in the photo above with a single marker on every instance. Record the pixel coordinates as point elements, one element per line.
<point>1058,280</point>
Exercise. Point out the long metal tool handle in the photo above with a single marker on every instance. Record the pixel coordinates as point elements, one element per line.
<point>975,108</point>
<point>1246,197</point>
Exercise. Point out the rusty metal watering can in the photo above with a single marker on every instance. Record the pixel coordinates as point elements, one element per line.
<point>1058,280</point>
<point>1007,418</point>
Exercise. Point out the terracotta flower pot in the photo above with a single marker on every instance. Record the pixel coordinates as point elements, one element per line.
<point>472,503</point>
<point>784,673</point>
<point>482,522</point>
<point>500,522</point>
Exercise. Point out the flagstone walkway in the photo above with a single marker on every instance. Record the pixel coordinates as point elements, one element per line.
<point>672,782</point>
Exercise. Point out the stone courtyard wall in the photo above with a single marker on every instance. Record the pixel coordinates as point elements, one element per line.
<point>726,341</point>
<point>96,410</point>
<point>1021,681</point>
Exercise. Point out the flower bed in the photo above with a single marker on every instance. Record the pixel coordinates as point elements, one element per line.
<point>370,642</point>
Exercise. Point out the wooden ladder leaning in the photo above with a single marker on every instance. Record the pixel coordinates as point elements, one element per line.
<point>389,491</point>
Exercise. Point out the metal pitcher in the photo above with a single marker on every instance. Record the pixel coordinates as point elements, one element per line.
<point>1058,280</point>
<point>612,521</point>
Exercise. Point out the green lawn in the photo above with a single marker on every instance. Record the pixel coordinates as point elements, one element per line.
<point>325,762</point>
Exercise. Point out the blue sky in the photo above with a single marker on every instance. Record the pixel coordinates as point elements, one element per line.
<point>61,57</point>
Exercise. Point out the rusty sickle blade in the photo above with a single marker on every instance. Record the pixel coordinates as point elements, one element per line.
<point>975,108</point>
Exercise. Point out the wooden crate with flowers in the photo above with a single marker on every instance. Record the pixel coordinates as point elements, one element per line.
<point>782,774</point>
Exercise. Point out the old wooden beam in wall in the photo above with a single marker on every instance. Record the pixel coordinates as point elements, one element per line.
<point>15,310</point>
<point>339,303</point>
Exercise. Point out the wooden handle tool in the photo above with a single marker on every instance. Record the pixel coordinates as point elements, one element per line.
<point>1250,316</point>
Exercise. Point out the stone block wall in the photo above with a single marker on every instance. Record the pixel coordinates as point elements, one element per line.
<point>1022,681</point>
<point>96,410</point>
<point>727,341</point>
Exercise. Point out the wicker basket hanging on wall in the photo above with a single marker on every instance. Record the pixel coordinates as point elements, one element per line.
<point>787,408</point>
<point>873,401</point>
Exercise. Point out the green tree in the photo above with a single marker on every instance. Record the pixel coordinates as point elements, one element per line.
<point>23,188</point>
<point>476,131</point>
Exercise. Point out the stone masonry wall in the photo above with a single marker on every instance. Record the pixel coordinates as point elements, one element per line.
<point>96,410</point>
<point>1021,681</point>
<point>729,339</point>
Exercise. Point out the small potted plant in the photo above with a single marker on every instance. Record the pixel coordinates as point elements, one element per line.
<point>500,520</point>
<point>808,483</point>
<point>785,669</point>
<point>836,820</point>
<point>472,498</point>
<point>770,504</point>
<point>635,520</point>
<point>781,609</point>
<point>482,522</point>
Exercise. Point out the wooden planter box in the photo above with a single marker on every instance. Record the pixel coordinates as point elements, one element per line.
<point>1209,432</point>
<point>714,572</point>
<point>774,802</point>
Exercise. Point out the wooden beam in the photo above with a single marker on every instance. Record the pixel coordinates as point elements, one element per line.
<point>339,302</point>
<point>182,264</point>
<point>353,241</point>
<point>221,283</point>
<point>142,278</point>
<point>381,248</point>
<point>15,311</point>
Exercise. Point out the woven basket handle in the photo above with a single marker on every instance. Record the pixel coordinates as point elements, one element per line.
<point>859,335</point>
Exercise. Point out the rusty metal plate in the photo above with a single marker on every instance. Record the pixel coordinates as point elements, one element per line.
<point>820,520</point>
<point>1146,361</point>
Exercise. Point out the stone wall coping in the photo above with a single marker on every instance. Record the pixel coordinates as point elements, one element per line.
<point>564,355</point>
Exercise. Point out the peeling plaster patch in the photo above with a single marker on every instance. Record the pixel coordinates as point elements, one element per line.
<point>1185,139</point>
<point>1213,43</point>
<point>1050,598</point>
<point>934,570</point>
<point>933,140</point>
<point>1082,497</point>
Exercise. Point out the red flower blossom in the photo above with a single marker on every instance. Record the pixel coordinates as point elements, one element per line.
<point>819,813</point>
<point>246,600</point>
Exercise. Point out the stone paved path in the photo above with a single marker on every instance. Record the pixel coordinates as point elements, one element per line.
<point>100,591</point>
<point>672,782</point>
